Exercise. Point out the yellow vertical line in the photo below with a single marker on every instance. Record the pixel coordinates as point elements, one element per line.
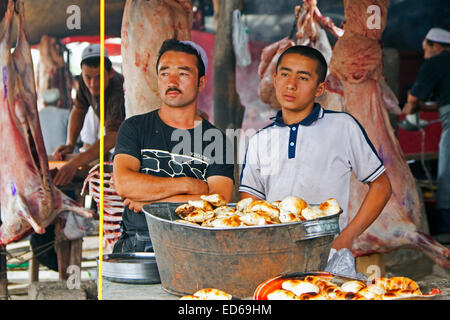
<point>102,122</point>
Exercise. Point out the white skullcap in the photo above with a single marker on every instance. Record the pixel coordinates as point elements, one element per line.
<point>51,96</point>
<point>200,51</point>
<point>438,35</point>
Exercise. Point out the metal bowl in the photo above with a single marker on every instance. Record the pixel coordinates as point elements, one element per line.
<point>235,260</point>
<point>132,267</point>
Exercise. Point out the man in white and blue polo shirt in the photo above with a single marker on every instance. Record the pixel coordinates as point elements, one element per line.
<point>311,152</point>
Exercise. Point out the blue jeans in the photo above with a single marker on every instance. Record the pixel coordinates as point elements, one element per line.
<point>443,175</point>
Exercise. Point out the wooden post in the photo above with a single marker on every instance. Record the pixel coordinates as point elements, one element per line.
<point>68,252</point>
<point>33,269</point>
<point>228,111</point>
<point>3,274</point>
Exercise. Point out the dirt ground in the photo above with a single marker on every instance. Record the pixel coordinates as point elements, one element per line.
<point>416,265</point>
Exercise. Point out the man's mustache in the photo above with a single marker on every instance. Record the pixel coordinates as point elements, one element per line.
<point>173,89</point>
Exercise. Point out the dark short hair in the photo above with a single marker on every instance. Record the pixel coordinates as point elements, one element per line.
<point>176,45</point>
<point>94,62</point>
<point>310,53</point>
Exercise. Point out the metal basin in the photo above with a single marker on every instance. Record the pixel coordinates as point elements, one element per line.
<point>133,267</point>
<point>235,260</point>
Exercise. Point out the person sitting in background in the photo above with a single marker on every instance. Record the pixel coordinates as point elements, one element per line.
<point>53,120</point>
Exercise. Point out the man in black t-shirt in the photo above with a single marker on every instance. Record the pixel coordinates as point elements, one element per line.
<point>170,154</point>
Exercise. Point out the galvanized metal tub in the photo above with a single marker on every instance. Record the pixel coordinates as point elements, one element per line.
<point>235,260</point>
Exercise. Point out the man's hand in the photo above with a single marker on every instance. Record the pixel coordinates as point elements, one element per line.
<point>409,108</point>
<point>342,241</point>
<point>61,151</point>
<point>65,174</point>
<point>200,187</point>
<point>135,206</point>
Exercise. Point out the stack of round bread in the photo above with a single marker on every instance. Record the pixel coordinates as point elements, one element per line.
<point>212,211</point>
<point>321,288</point>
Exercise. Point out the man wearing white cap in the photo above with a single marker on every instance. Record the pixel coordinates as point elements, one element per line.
<point>433,83</point>
<point>88,94</point>
<point>150,166</point>
<point>53,120</point>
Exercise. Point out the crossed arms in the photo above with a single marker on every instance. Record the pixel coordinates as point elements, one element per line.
<point>138,188</point>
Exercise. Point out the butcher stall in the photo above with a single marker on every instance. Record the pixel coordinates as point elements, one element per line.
<point>368,75</point>
<point>238,252</point>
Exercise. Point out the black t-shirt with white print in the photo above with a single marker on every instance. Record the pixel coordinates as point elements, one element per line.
<point>165,151</point>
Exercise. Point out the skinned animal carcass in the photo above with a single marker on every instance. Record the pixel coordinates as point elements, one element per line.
<point>310,32</point>
<point>29,200</point>
<point>145,25</point>
<point>53,72</point>
<point>355,85</point>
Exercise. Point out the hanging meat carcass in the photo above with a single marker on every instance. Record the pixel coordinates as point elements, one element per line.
<point>145,25</point>
<point>310,32</point>
<point>29,200</point>
<point>356,86</point>
<point>53,72</point>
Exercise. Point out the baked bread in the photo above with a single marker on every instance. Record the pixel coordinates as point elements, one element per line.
<point>216,199</point>
<point>208,294</point>
<point>199,215</point>
<point>224,211</point>
<point>330,207</point>
<point>264,207</point>
<point>312,212</point>
<point>282,294</point>
<point>242,205</point>
<point>227,222</point>
<point>201,204</point>
<point>352,286</point>
<point>256,219</point>
<point>212,294</point>
<point>300,287</point>
<point>293,205</point>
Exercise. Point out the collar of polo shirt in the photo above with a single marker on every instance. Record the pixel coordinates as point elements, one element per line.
<point>310,119</point>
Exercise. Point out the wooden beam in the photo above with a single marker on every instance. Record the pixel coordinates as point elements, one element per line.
<point>3,274</point>
<point>228,111</point>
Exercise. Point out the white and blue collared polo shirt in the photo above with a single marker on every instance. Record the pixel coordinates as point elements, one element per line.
<point>312,159</point>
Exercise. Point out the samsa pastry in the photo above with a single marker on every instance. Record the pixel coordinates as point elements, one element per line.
<point>265,207</point>
<point>312,212</point>
<point>212,294</point>
<point>256,219</point>
<point>300,287</point>
<point>201,204</point>
<point>227,222</point>
<point>242,205</point>
<point>293,205</point>
<point>224,211</point>
<point>330,207</point>
<point>216,199</point>
<point>281,294</point>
